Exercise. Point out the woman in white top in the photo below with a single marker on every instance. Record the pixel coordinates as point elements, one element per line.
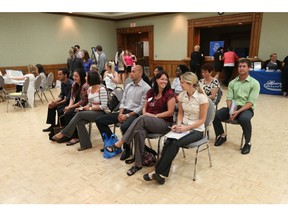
<point>32,74</point>
<point>110,77</point>
<point>193,106</point>
<point>97,105</point>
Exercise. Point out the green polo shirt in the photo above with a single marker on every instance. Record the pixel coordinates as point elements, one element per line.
<point>244,91</point>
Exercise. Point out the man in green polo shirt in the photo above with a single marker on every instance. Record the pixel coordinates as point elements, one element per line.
<point>242,94</point>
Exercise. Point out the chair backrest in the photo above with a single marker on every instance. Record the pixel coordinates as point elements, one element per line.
<point>50,79</point>
<point>37,83</point>
<point>219,96</point>
<point>210,114</point>
<point>25,85</point>
<point>1,82</point>
<point>113,103</point>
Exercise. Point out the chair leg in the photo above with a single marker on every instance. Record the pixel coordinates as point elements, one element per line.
<point>184,156</point>
<point>44,96</point>
<point>90,127</point>
<point>51,94</point>
<point>242,141</point>
<point>209,154</point>
<point>195,166</point>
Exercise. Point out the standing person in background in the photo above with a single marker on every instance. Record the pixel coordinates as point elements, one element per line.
<point>78,51</point>
<point>284,76</point>
<point>218,61</point>
<point>73,62</point>
<point>119,60</point>
<point>86,61</point>
<point>102,59</point>
<point>229,63</point>
<point>196,61</point>
<point>43,75</point>
<point>128,62</point>
<point>134,58</point>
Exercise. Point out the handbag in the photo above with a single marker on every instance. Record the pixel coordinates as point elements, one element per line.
<point>149,157</point>
<point>110,141</point>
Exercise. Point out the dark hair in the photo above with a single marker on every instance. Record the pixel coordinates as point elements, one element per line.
<point>159,68</point>
<point>219,49</point>
<point>230,48</point>
<point>86,55</point>
<point>93,78</point>
<point>65,71</point>
<point>41,69</point>
<point>76,86</point>
<point>120,50</point>
<point>207,67</point>
<point>285,60</point>
<point>167,87</point>
<point>99,48</point>
<point>245,60</point>
<point>183,68</point>
<point>77,46</point>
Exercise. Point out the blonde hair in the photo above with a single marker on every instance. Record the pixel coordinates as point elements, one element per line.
<point>196,47</point>
<point>191,78</point>
<point>33,70</point>
<point>94,67</point>
<point>111,65</point>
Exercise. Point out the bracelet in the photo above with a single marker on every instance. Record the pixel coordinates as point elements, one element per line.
<point>156,116</point>
<point>127,115</point>
<point>90,108</point>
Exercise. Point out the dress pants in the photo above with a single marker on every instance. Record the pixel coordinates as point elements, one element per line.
<point>170,150</point>
<point>51,114</point>
<point>80,120</point>
<point>244,119</point>
<point>138,132</point>
<point>103,123</point>
<point>228,72</point>
<point>68,116</point>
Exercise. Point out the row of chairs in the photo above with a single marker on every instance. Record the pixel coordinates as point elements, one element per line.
<point>23,95</point>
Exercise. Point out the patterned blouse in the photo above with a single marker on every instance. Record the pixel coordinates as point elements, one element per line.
<point>208,87</point>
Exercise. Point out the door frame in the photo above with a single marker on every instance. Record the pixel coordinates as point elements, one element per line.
<point>255,19</point>
<point>121,32</point>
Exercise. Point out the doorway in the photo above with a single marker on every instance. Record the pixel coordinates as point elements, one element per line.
<point>140,41</point>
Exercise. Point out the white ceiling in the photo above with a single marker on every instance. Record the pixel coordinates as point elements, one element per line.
<point>115,15</point>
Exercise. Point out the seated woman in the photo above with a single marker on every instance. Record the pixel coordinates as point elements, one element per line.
<point>43,75</point>
<point>272,64</point>
<point>193,106</point>
<point>209,84</point>
<point>110,76</point>
<point>176,86</point>
<point>157,116</point>
<point>78,99</point>
<point>97,105</point>
<point>32,74</point>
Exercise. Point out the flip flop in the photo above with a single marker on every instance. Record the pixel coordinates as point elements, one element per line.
<point>72,143</point>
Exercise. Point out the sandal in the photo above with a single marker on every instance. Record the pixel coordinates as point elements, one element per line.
<point>112,148</point>
<point>133,170</point>
<point>158,178</point>
<point>72,142</point>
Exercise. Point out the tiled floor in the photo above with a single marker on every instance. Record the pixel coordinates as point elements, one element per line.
<point>36,170</point>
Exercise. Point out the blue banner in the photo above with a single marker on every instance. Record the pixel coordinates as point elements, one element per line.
<point>214,45</point>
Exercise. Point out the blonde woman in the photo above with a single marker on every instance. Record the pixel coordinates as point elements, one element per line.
<point>32,74</point>
<point>193,106</point>
<point>110,77</point>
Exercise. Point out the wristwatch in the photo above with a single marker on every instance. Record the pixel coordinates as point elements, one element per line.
<point>127,115</point>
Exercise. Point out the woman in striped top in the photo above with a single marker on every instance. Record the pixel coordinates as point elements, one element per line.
<point>97,105</point>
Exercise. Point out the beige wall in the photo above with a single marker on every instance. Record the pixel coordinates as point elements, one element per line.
<point>170,34</point>
<point>274,34</point>
<point>46,38</point>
